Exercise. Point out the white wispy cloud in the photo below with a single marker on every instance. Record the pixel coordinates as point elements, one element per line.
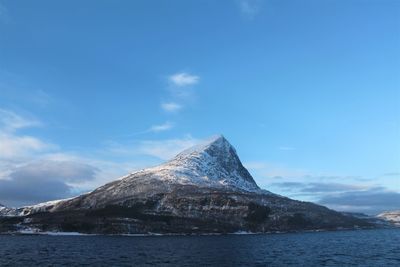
<point>249,8</point>
<point>12,143</point>
<point>161,127</point>
<point>180,94</point>
<point>171,106</point>
<point>161,149</point>
<point>14,146</point>
<point>166,149</point>
<point>11,121</point>
<point>182,79</point>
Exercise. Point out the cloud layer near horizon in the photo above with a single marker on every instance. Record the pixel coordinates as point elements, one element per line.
<point>345,197</point>
<point>33,170</point>
<point>43,180</point>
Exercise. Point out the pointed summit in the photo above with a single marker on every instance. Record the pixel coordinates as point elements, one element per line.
<point>216,142</point>
<point>213,162</point>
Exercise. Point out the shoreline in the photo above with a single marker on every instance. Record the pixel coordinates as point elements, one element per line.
<point>150,234</point>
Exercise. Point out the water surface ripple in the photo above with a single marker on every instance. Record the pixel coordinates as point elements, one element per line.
<point>343,248</point>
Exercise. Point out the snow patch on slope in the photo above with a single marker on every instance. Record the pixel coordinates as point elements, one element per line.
<point>391,216</point>
<point>41,207</point>
<point>27,210</point>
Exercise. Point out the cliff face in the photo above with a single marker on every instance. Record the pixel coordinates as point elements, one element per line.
<point>204,189</point>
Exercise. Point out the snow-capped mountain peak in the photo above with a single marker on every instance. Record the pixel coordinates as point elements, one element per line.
<point>217,141</point>
<point>210,165</point>
<point>213,162</point>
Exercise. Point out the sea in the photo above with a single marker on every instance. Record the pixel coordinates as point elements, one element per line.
<point>338,248</point>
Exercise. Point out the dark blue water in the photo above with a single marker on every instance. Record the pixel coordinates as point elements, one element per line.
<point>345,248</point>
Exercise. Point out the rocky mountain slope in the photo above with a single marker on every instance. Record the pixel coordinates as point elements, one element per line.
<point>392,217</point>
<point>204,189</point>
<point>6,211</point>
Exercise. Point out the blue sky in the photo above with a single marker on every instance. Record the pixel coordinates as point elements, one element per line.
<point>307,91</point>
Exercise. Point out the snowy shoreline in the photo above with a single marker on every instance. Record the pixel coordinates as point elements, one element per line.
<point>50,233</point>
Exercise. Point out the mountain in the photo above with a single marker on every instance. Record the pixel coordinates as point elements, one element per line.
<point>4,210</point>
<point>204,189</point>
<point>211,165</point>
<point>392,217</point>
